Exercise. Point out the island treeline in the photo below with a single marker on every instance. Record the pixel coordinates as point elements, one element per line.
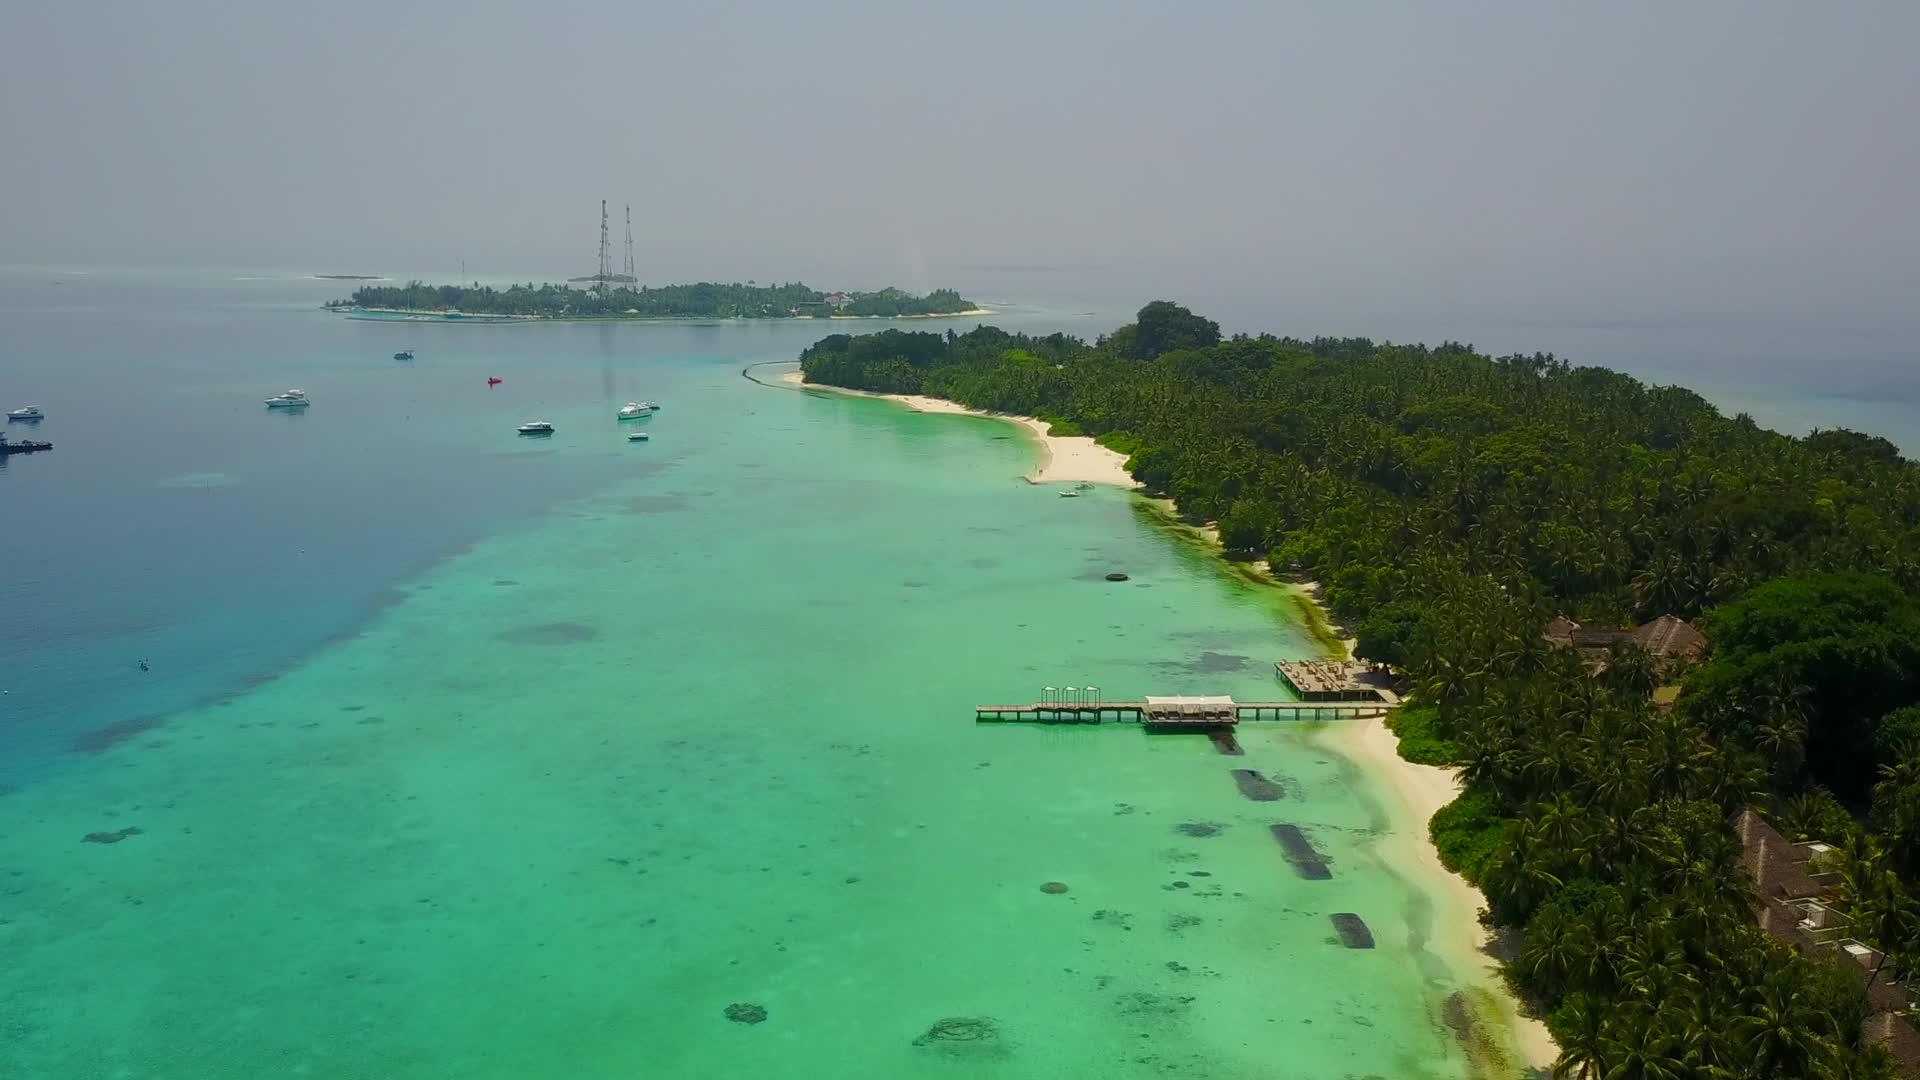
<point>704,300</point>
<point>1452,504</point>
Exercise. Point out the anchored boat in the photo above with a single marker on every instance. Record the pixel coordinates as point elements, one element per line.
<point>24,446</point>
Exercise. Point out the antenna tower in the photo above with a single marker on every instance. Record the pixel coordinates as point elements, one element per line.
<point>606,259</point>
<point>630,275</point>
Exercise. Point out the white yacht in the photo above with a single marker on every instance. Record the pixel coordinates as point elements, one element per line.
<point>292,399</point>
<point>635,410</point>
<point>31,412</point>
<point>536,427</point>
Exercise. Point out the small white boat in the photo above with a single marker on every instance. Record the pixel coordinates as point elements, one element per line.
<point>536,427</point>
<point>1069,494</point>
<point>292,399</point>
<point>635,410</point>
<point>31,412</point>
<point>636,436</point>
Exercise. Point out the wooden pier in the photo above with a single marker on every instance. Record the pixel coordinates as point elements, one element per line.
<point>1174,714</point>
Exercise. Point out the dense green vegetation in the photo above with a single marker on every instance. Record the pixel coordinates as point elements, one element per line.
<point>1418,727</point>
<point>1452,503</point>
<point>705,300</point>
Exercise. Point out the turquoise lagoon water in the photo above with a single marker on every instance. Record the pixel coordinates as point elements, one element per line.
<point>470,756</point>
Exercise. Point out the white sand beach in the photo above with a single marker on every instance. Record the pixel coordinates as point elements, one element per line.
<point>1420,791</point>
<point>1064,459</point>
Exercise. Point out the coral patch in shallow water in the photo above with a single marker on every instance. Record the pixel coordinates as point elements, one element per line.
<point>745,1012</point>
<point>111,837</point>
<point>553,633</point>
<point>112,735</point>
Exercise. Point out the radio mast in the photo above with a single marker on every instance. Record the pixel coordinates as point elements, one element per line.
<point>606,258</point>
<point>631,278</point>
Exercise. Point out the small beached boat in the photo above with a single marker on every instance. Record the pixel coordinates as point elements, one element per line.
<point>536,427</point>
<point>31,412</point>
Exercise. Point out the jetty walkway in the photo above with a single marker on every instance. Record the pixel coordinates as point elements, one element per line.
<point>1175,713</point>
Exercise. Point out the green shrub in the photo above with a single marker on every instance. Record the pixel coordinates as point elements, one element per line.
<point>1421,740</point>
<point>1467,834</point>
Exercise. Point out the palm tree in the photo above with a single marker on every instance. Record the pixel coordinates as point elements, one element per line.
<point>1581,1029</point>
<point>1779,1029</point>
<point>1640,1050</point>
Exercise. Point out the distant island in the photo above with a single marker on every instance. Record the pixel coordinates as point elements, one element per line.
<point>704,300</point>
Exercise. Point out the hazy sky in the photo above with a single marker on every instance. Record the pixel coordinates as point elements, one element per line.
<point>1621,157</point>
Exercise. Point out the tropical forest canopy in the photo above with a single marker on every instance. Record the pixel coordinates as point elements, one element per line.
<point>1452,503</point>
<point>705,300</point>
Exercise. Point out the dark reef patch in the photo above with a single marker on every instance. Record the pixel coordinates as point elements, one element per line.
<point>1257,787</point>
<point>746,1012</point>
<point>1199,829</point>
<point>111,837</point>
<point>1352,930</point>
<point>105,738</point>
<point>553,633</point>
<point>1307,862</point>
<point>967,1036</point>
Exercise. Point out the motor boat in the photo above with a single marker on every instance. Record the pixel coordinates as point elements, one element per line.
<point>24,446</point>
<point>493,380</point>
<point>636,436</point>
<point>536,427</point>
<point>403,354</point>
<point>31,412</point>
<point>634,410</point>
<point>1069,494</point>
<point>292,399</point>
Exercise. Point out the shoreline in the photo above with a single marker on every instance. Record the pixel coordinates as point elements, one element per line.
<point>1417,792</point>
<point>1414,793</point>
<point>449,315</point>
<point>1063,458</point>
